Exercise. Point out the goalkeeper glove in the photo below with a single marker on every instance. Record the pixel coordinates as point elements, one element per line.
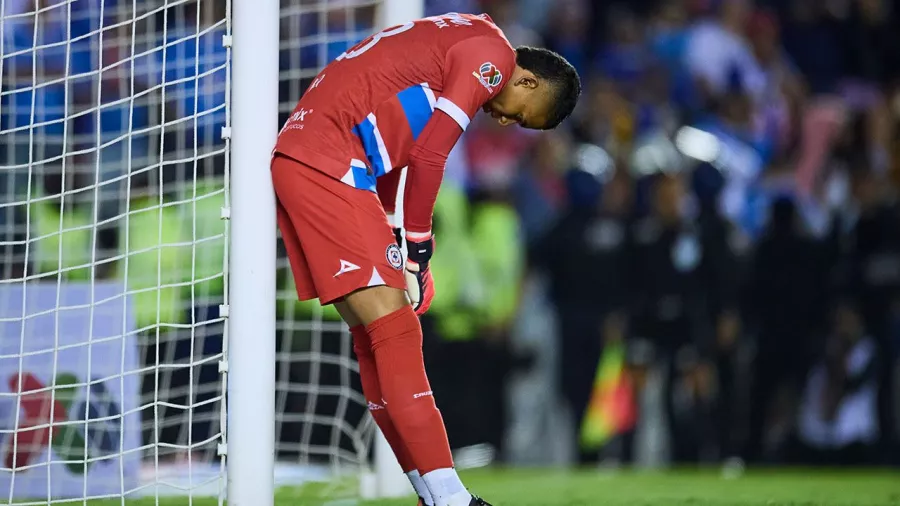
<point>419,283</point>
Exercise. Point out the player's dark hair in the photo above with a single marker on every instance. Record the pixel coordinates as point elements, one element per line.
<point>559,73</point>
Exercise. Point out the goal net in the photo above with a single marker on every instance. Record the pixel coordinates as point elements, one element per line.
<point>321,420</point>
<point>114,173</point>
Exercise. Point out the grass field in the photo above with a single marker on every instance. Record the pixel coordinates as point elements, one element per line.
<point>586,488</point>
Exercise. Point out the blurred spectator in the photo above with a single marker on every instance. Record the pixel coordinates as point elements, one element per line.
<point>788,281</point>
<point>680,268</point>
<point>668,39</point>
<point>837,421</point>
<point>587,258</point>
<point>479,267</point>
<point>34,59</point>
<point>608,120</point>
<point>504,13</point>
<point>538,191</point>
<point>873,272</point>
<point>741,157</point>
<point>721,145</point>
<point>493,152</point>
<point>569,42</point>
<point>874,42</point>
<point>190,77</point>
<point>783,91</point>
<point>625,57</point>
<point>811,36</point>
<point>438,7</point>
<point>718,48</point>
<point>533,13</point>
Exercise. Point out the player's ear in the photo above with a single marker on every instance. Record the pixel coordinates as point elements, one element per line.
<point>527,79</point>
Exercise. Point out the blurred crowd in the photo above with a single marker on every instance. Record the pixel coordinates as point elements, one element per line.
<point>722,205</point>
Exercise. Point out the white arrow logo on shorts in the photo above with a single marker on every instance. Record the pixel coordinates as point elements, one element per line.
<point>346,267</point>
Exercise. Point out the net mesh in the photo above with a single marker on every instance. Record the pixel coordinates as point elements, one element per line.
<point>113,253</point>
<point>112,262</point>
<point>320,413</point>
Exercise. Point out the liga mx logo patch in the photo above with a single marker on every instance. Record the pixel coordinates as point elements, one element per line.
<point>489,76</point>
<point>85,422</point>
<point>394,256</point>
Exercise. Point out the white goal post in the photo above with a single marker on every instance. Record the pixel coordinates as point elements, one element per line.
<point>250,447</point>
<point>151,343</point>
<point>386,479</point>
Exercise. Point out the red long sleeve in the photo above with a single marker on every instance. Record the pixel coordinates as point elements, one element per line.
<point>426,170</point>
<point>387,186</point>
<point>474,70</point>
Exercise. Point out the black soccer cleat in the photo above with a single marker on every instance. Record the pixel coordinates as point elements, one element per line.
<point>476,501</point>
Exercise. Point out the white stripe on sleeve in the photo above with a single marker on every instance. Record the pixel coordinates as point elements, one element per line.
<point>453,111</point>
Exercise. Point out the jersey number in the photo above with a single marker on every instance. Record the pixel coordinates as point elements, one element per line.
<point>367,45</point>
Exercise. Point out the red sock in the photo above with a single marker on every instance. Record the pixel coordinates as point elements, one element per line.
<point>397,346</point>
<point>362,346</point>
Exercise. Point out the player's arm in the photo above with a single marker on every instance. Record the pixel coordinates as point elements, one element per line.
<point>463,94</point>
<point>427,159</point>
<point>386,186</point>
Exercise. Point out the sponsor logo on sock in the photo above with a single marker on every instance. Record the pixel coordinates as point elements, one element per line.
<point>422,394</point>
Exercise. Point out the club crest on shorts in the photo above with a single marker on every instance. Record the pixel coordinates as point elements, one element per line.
<point>394,256</point>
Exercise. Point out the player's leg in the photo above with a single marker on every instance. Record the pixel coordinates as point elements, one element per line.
<point>396,344</point>
<point>351,254</point>
<point>362,347</point>
<point>299,268</point>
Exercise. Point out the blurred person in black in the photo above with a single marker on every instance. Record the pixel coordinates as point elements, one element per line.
<point>872,270</point>
<point>786,296</point>
<point>837,423</point>
<point>470,319</point>
<point>873,42</point>
<point>873,67</point>
<point>728,246</point>
<point>586,256</point>
<point>538,190</point>
<point>813,40</point>
<point>683,309</point>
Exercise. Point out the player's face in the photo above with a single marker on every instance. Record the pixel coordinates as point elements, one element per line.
<point>523,102</point>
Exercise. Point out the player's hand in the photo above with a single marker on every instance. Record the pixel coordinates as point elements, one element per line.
<point>419,283</point>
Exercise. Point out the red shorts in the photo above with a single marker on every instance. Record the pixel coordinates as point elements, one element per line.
<point>337,237</point>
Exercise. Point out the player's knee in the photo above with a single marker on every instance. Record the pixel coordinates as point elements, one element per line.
<point>365,355</point>
<point>400,331</point>
<point>362,343</point>
<point>374,302</point>
<point>347,314</point>
<point>409,343</point>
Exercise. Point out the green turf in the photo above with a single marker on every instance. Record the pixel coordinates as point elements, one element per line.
<point>590,488</point>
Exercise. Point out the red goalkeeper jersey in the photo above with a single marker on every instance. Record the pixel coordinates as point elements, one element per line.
<point>401,97</point>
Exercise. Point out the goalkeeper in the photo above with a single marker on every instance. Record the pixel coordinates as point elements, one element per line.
<point>402,97</point>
